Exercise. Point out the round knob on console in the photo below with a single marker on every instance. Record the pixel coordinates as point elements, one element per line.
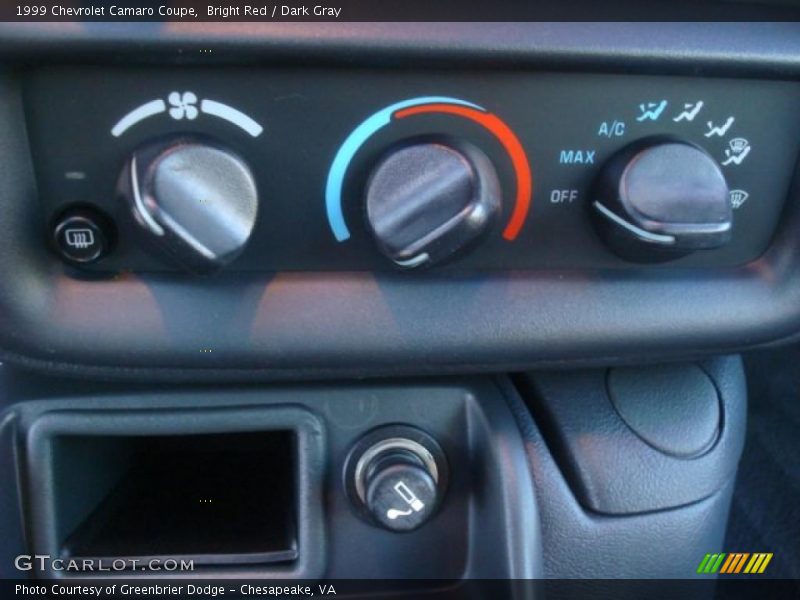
<point>396,477</point>
<point>197,201</point>
<point>661,198</point>
<point>400,492</point>
<point>427,201</point>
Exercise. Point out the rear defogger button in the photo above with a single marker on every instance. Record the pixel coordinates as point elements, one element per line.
<point>82,235</point>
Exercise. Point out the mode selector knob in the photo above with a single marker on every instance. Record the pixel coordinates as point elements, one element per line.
<point>662,198</point>
<point>196,201</point>
<point>427,201</point>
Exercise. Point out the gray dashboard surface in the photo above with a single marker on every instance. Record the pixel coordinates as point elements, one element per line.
<point>291,325</point>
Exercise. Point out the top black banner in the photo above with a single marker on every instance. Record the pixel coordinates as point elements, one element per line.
<point>395,10</point>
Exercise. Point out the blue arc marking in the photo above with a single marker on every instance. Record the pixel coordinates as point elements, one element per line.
<point>354,141</point>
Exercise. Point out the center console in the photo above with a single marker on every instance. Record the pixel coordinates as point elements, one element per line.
<point>429,302</point>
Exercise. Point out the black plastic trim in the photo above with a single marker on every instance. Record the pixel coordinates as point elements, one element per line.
<point>611,469</point>
<point>313,325</point>
<point>310,455</point>
<point>753,49</point>
<point>486,528</point>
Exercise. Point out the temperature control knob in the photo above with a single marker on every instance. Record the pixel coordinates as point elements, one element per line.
<point>662,198</point>
<point>196,201</point>
<point>427,201</point>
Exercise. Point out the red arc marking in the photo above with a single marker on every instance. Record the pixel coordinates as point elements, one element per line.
<point>510,143</point>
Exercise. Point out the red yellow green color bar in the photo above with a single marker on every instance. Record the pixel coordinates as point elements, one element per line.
<point>733,563</point>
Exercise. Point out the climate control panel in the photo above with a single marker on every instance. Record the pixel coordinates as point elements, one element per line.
<point>370,170</point>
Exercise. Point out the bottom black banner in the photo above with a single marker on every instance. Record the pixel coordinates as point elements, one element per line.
<point>207,588</point>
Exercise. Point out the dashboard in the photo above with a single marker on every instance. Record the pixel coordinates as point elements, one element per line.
<point>396,306</point>
<point>514,186</point>
<point>577,209</point>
